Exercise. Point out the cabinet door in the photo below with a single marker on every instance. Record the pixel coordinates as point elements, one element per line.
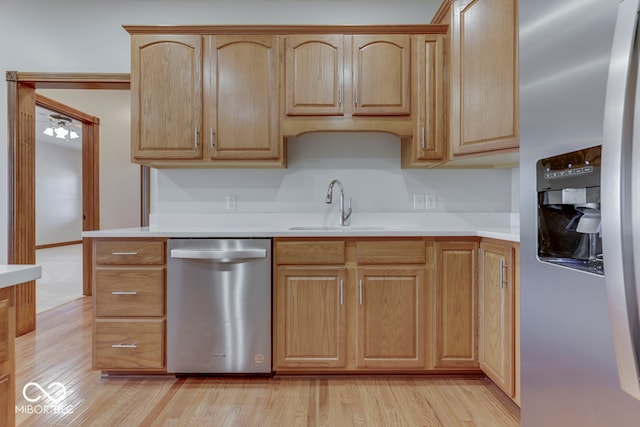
<point>313,74</point>
<point>7,357</point>
<point>244,122</point>
<point>484,77</point>
<point>429,142</point>
<point>496,315</point>
<point>310,318</point>
<point>391,318</point>
<point>166,97</point>
<point>381,74</point>
<point>456,305</point>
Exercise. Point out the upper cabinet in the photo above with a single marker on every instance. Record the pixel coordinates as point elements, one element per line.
<point>314,70</point>
<point>205,100</point>
<point>166,97</point>
<point>484,77</point>
<point>243,102</point>
<point>428,144</point>
<point>382,74</point>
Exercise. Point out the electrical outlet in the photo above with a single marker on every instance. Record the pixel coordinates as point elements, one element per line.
<point>231,202</point>
<point>418,201</point>
<point>431,202</point>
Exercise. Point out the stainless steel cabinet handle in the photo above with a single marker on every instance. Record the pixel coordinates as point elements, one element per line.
<point>502,267</point>
<point>211,136</point>
<point>340,94</point>
<point>219,254</point>
<point>195,138</point>
<point>124,253</point>
<point>124,345</point>
<point>356,95</point>
<point>423,137</point>
<point>360,291</point>
<point>124,293</point>
<point>341,292</point>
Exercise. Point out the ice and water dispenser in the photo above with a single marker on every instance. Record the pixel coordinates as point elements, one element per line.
<point>569,226</point>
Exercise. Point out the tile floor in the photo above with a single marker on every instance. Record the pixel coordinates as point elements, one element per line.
<point>61,280</point>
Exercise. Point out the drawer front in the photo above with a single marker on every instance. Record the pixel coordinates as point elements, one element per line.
<point>116,252</point>
<point>310,252</point>
<point>129,344</point>
<point>5,332</point>
<point>132,292</point>
<point>391,252</point>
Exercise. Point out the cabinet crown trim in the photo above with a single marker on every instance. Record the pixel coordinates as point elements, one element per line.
<point>286,29</point>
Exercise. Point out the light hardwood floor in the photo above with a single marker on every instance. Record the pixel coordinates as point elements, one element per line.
<point>59,351</point>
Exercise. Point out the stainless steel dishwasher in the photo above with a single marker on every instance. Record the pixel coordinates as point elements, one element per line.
<point>219,306</point>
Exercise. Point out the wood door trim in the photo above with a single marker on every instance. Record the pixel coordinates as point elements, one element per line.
<point>21,153</point>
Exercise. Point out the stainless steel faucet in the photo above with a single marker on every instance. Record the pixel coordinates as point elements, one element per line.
<point>345,216</point>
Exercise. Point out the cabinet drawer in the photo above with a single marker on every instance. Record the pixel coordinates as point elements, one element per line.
<point>129,252</point>
<point>391,252</point>
<point>129,344</point>
<point>310,252</point>
<point>131,292</point>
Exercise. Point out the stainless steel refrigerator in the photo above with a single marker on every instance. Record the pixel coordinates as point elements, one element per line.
<point>580,330</point>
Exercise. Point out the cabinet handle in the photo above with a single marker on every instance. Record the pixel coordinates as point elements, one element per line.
<point>423,137</point>
<point>124,253</point>
<point>341,292</point>
<point>360,291</point>
<point>195,138</point>
<point>211,136</point>
<point>340,94</point>
<point>124,345</point>
<point>502,267</point>
<point>124,293</point>
<point>356,95</point>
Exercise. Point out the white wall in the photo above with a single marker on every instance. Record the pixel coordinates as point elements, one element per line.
<point>367,164</point>
<point>119,178</point>
<point>58,194</point>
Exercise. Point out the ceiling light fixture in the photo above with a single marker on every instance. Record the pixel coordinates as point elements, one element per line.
<point>60,128</point>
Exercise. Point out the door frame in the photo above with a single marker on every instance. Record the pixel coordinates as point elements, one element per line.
<point>21,96</point>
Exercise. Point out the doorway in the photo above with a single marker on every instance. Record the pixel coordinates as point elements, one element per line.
<point>22,99</point>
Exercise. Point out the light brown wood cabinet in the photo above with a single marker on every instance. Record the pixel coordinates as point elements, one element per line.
<point>166,97</point>
<point>205,100</point>
<point>484,77</point>
<point>242,110</point>
<point>391,324</point>
<point>310,309</point>
<point>7,357</point>
<point>428,146</point>
<point>456,302</point>
<point>497,306</point>
<point>364,309</point>
<point>129,280</point>
<point>371,73</point>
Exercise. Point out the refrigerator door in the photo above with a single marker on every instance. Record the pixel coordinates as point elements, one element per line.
<point>620,134</point>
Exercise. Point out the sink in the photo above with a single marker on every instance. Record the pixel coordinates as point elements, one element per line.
<point>337,228</point>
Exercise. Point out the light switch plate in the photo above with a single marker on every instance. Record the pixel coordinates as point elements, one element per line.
<point>431,202</point>
<point>231,202</point>
<point>418,201</point>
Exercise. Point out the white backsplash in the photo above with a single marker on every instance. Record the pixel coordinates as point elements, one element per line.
<point>367,164</point>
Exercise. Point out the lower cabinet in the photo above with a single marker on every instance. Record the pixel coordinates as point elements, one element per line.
<point>456,302</point>
<point>310,309</point>
<point>392,314</point>
<point>7,362</point>
<point>129,279</point>
<point>364,306</point>
<point>497,305</point>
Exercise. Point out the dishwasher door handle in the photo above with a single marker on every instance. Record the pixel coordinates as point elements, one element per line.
<point>222,255</point>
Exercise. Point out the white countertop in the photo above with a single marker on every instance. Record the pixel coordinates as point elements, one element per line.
<point>18,273</point>
<point>279,225</point>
